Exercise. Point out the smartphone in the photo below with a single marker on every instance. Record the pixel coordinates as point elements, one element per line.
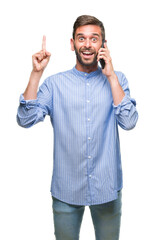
<point>102,62</point>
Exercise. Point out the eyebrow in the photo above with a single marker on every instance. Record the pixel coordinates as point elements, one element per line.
<point>94,34</point>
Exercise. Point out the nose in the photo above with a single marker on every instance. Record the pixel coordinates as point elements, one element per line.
<point>87,43</point>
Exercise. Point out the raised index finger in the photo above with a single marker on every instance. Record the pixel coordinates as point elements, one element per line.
<point>44,43</point>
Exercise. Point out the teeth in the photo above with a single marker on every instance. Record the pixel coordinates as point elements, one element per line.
<point>87,53</point>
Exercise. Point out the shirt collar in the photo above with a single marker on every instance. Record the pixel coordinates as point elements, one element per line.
<point>85,74</point>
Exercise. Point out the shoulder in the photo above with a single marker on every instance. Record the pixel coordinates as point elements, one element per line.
<point>58,76</point>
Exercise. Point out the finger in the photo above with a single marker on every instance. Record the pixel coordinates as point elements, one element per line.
<point>101,53</point>
<point>104,52</point>
<point>42,53</point>
<point>48,53</point>
<point>102,56</point>
<point>44,43</point>
<point>38,56</point>
<point>106,59</point>
<point>35,63</point>
<point>105,44</point>
<point>41,56</point>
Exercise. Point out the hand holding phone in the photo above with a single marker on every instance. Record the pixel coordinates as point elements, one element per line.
<point>102,62</point>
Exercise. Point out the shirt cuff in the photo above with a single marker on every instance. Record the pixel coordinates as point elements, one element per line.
<point>125,104</point>
<point>28,104</point>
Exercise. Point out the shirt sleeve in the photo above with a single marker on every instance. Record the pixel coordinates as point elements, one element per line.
<point>31,112</point>
<point>126,112</point>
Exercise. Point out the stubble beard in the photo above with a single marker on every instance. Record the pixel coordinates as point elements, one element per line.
<point>86,64</point>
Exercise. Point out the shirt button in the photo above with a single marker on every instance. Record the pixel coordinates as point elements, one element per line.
<point>85,74</point>
<point>88,119</point>
<point>87,84</point>
<point>89,157</point>
<point>89,138</point>
<point>90,176</point>
<point>88,101</point>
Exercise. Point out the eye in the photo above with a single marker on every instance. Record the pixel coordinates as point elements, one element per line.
<point>94,39</point>
<point>81,39</point>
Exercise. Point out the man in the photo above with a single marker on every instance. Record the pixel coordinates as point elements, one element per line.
<point>86,104</point>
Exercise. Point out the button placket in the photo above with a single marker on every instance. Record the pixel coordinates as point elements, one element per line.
<point>88,107</point>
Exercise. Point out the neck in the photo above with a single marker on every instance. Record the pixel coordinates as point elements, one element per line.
<point>87,69</point>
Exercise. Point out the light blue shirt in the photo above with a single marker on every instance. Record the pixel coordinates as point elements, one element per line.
<point>87,161</point>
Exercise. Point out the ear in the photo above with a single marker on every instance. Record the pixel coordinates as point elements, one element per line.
<point>72,44</point>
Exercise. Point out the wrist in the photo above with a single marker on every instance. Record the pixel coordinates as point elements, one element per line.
<point>36,74</point>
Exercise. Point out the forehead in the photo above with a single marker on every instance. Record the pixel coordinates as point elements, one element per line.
<point>88,30</point>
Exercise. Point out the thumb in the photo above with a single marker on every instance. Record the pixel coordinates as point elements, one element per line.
<point>48,53</point>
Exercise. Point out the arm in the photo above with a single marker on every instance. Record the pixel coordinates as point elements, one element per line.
<point>117,91</point>
<point>34,107</point>
<point>124,106</point>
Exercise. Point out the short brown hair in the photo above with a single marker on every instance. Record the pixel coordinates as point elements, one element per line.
<point>88,20</point>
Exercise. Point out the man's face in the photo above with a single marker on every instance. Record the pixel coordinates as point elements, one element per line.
<point>88,40</point>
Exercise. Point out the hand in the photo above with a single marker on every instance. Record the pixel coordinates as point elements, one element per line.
<point>41,59</point>
<point>104,53</point>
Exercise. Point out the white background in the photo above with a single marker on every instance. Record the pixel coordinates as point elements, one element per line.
<point>26,154</point>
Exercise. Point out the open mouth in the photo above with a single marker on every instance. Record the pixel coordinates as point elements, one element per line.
<point>87,54</point>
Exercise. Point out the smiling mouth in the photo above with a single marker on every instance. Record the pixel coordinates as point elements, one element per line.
<point>87,54</point>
